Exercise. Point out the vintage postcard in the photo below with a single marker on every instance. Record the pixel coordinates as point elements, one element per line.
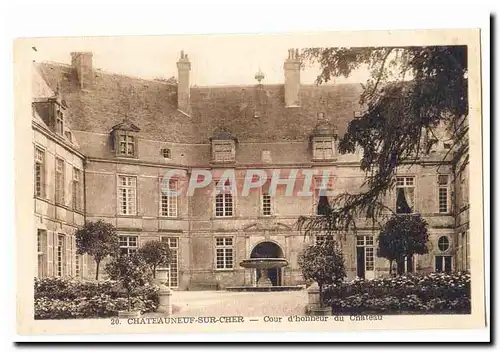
<point>229,183</point>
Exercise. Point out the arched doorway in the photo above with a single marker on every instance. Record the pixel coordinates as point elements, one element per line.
<point>268,249</point>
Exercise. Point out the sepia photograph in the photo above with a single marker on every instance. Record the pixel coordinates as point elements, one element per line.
<point>191,181</point>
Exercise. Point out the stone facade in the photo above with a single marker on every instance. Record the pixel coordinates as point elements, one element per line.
<point>59,188</point>
<point>268,127</point>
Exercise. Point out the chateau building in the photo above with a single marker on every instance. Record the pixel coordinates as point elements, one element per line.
<point>103,143</point>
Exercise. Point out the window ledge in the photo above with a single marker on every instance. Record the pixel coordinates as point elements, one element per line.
<point>127,157</point>
<point>218,162</point>
<point>222,270</point>
<point>324,160</point>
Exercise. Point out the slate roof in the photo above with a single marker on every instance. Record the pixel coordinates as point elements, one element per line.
<point>39,87</point>
<point>248,113</point>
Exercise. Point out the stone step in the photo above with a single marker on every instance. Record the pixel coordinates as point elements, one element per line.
<point>203,286</point>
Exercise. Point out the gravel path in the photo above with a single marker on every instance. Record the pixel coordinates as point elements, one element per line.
<point>221,303</point>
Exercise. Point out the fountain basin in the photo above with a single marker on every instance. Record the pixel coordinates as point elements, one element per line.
<point>264,263</point>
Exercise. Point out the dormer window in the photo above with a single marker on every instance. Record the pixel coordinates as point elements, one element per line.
<point>323,141</point>
<point>223,151</point>
<point>126,144</point>
<point>125,139</point>
<point>59,121</point>
<point>323,148</point>
<point>223,147</point>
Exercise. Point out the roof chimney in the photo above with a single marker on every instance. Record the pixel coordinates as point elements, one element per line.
<point>82,63</point>
<point>292,78</point>
<point>183,89</point>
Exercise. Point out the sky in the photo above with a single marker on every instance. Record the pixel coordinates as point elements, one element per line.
<point>215,60</point>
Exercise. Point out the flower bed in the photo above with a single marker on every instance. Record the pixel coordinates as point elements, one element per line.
<point>433,293</point>
<point>65,298</point>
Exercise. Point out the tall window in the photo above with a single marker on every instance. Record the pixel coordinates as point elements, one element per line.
<point>127,192</point>
<point>77,189</point>
<point>224,200</point>
<point>266,203</point>
<point>128,244</point>
<point>224,252</point>
<point>443,193</point>
<point>60,171</point>
<point>39,172</point>
<point>365,255</point>
<point>60,256</point>
<point>462,251</point>
<point>223,151</point>
<point>323,148</point>
<point>405,195</point>
<point>78,265</point>
<point>168,200</point>
<point>173,268</point>
<point>466,250</point>
<point>464,188</point>
<point>41,252</point>
<point>322,201</point>
<point>443,262</point>
<point>126,144</point>
<point>59,122</point>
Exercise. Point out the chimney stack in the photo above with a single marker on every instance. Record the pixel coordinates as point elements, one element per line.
<point>82,64</point>
<point>183,89</point>
<point>292,78</point>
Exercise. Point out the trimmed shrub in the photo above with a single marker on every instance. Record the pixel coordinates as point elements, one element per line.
<point>433,293</point>
<point>66,298</point>
<point>132,272</point>
<point>323,263</point>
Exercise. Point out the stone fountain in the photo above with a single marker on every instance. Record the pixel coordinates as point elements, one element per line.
<point>263,264</point>
<point>264,282</point>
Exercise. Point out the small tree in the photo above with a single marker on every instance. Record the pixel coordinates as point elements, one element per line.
<point>323,263</point>
<point>155,254</point>
<point>98,239</point>
<point>132,272</point>
<point>402,237</point>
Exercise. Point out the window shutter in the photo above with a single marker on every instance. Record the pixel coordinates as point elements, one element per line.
<point>50,253</point>
<point>69,251</point>
<point>73,256</point>
<point>84,266</point>
<point>315,154</point>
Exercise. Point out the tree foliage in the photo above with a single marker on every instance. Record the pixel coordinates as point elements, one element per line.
<point>97,239</point>
<point>402,236</point>
<point>323,263</point>
<point>156,254</point>
<point>411,92</point>
<point>132,272</point>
